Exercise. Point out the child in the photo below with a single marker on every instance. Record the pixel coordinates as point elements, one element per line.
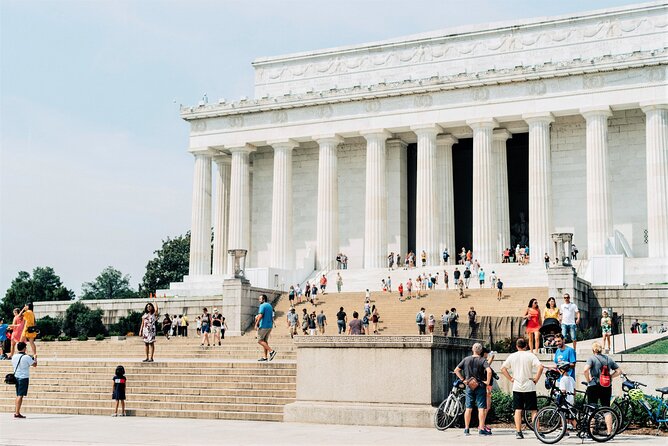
<point>566,382</point>
<point>401,291</point>
<point>430,323</point>
<point>118,393</point>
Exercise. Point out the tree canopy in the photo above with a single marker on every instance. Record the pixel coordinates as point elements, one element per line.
<point>170,264</point>
<point>44,285</point>
<point>110,284</point>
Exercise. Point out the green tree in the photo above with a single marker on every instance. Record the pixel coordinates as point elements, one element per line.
<point>110,284</point>
<point>44,285</point>
<point>169,265</point>
<point>81,320</point>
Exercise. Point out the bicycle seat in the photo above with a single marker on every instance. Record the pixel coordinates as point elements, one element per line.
<point>662,390</point>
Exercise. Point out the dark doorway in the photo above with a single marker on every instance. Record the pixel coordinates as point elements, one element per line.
<point>518,188</point>
<point>462,175</point>
<point>411,178</point>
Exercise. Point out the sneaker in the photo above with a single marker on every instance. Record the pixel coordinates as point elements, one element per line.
<point>114,415</point>
<point>487,428</point>
<point>18,415</point>
<point>262,360</point>
<point>150,360</point>
<point>519,436</point>
<point>484,432</point>
<point>145,360</point>
<point>466,432</point>
<point>272,354</point>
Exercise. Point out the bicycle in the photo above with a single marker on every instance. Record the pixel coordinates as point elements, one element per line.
<point>634,398</point>
<point>551,377</point>
<point>452,407</point>
<point>597,423</point>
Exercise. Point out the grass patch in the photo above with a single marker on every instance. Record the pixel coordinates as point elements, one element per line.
<point>659,347</point>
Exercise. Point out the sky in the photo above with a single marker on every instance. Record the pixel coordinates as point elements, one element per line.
<point>93,164</point>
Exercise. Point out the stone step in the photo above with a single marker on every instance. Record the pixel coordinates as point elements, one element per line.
<point>163,372</point>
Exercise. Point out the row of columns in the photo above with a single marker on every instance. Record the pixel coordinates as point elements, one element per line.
<point>434,194</point>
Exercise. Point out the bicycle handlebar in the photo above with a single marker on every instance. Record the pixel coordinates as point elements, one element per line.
<point>637,383</point>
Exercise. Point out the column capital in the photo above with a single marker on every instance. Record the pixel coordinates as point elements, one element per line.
<point>376,133</point>
<point>538,117</point>
<point>596,111</point>
<point>427,129</point>
<point>446,140</point>
<point>285,144</point>
<point>482,123</point>
<point>207,151</point>
<point>654,105</point>
<point>246,148</point>
<point>222,158</point>
<point>501,135</point>
<point>396,142</point>
<point>331,138</point>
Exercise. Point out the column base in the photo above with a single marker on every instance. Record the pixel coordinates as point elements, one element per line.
<point>362,414</point>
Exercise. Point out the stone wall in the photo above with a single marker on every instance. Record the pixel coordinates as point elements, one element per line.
<point>645,302</point>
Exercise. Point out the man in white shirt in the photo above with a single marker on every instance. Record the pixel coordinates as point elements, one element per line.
<point>524,379</point>
<point>21,364</point>
<point>569,316</point>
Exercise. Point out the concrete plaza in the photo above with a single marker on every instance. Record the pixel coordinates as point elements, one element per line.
<point>40,429</point>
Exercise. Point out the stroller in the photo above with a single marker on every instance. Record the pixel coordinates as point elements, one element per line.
<point>549,329</point>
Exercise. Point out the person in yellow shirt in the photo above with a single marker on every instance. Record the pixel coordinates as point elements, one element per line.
<point>30,331</point>
<point>184,326</point>
<point>551,310</point>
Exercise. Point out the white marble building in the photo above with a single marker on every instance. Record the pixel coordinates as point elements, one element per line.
<point>316,162</point>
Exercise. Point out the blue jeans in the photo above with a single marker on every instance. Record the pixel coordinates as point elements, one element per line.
<point>566,328</point>
<point>342,326</point>
<point>477,396</point>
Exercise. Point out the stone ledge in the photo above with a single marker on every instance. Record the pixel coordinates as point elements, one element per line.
<point>367,341</point>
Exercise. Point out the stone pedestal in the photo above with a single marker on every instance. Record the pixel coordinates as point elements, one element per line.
<point>239,306</point>
<point>564,279</point>
<point>337,379</point>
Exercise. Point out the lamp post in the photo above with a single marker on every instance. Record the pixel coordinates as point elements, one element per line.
<point>239,262</point>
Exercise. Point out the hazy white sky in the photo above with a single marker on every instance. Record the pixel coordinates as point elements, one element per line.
<point>94,168</point>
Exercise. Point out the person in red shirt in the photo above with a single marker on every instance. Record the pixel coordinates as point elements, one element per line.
<point>323,284</point>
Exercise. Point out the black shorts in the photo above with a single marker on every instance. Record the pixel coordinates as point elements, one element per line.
<point>22,386</point>
<point>599,395</point>
<point>525,401</point>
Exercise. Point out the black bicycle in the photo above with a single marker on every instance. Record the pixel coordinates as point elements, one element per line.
<point>552,422</point>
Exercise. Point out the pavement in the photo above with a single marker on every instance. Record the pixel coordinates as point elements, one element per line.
<point>77,430</point>
<point>621,342</point>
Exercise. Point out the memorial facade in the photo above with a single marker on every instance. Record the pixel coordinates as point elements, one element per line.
<point>358,149</point>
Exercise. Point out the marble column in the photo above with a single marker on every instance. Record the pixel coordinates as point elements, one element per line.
<point>540,185</point>
<point>222,217</point>
<point>282,251</point>
<point>200,231</point>
<point>375,221</point>
<point>239,228</point>
<point>397,197</point>
<point>500,137</point>
<point>599,222</point>
<point>327,224</point>
<point>657,178</point>
<point>446,195</point>
<point>428,214</point>
<point>484,194</point>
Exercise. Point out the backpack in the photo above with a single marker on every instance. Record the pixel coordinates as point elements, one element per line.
<point>418,318</point>
<point>604,378</point>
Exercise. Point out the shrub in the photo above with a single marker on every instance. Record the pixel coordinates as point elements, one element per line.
<point>90,323</point>
<point>502,408</point>
<point>49,326</point>
<point>48,338</point>
<point>505,345</point>
<point>70,319</point>
<point>114,333</point>
<point>128,323</point>
<point>82,338</point>
<point>99,337</point>
<point>64,338</point>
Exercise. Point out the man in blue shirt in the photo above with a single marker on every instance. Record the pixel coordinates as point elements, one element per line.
<point>564,353</point>
<point>264,322</point>
<point>3,339</point>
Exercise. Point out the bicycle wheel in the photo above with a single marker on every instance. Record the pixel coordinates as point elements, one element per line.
<point>602,424</point>
<point>623,409</point>
<point>447,413</point>
<point>543,401</point>
<point>550,425</point>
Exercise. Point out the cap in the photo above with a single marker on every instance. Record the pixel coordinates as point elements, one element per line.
<point>215,310</point>
<point>563,365</point>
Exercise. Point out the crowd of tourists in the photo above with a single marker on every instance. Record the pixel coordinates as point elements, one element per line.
<point>22,329</point>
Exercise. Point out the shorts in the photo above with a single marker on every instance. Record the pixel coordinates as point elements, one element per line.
<point>479,396</point>
<point>525,401</point>
<point>482,282</point>
<point>606,330</point>
<point>216,330</point>
<point>206,328</point>
<point>598,394</point>
<point>22,386</point>
<point>263,334</point>
<point>566,328</point>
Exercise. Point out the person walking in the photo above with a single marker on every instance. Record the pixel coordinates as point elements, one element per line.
<point>184,326</point>
<point>467,277</point>
<point>341,321</point>
<point>166,326</point>
<point>206,327</point>
<point>339,282</point>
<point>431,323</point>
<point>312,324</point>
<point>527,370</point>
<point>322,322</point>
<point>453,322</point>
<point>534,322</point>
<point>445,322</point>
<point>499,289</point>
<point>147,329</point>
<point>264,322</point>
<point>473,325</point>
<point>355,326</point>
<point>292,321</point>
<point>446,280</point>
<point>421,322</point>
<point>599,372</point>
<point>546,260</point>
<point>198,322</point>
<point>551,311</point>
<point>217,324</point>
<point>375,318</point>
<point>460,287</point>
<point>569,316</point>
<point>481,278</point>
<point>118,390</point>
<point>21,362</point>
<point>476,373</point>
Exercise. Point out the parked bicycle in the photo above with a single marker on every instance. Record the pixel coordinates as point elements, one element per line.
<point>452,407</point>
<point>551,377</point>
<point>552,422</point>
<point>633,398</point>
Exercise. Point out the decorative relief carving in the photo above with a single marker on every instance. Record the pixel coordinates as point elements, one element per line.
<point>537,88</point>
<point>324,111</point>
<point>591,81</point>
<point>423,101</point>
<point>656,74</point>
<point>279,116</point>
<point>198,126</point>
<point>480,94</point>
<point>236,121</point>
<point>372,106</point>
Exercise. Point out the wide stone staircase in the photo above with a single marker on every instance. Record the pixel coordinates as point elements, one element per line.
<point>185,381</point>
